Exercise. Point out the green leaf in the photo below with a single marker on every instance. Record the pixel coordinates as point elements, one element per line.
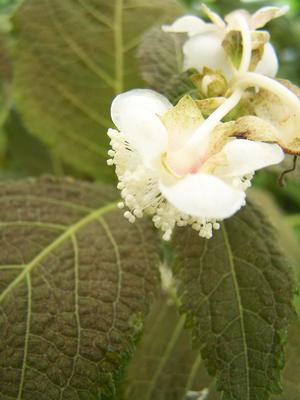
<point>237,291</point>
<point>5,77</point>
<point>287,237</point>
<point>73,57</point>
<point>161,57</point>
<point>75,283</point>
<point>161,63</point>
<point>279,220</point>
<point>7,6</point>
<point>164,367</point>
<point>291,384</point>
<point>27,154</point>
<point>2,146</point>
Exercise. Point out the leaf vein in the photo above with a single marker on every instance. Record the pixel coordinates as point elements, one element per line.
<point>119,269</point>
<point>240,307</point>
<point>26,341</point>
<point>56,243</point>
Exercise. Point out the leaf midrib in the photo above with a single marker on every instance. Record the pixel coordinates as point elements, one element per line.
<point>56,243</point>
<point>240,305</point>
<point>118,34</point>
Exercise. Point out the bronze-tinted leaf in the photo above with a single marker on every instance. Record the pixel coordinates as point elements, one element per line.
<point>75,283</point>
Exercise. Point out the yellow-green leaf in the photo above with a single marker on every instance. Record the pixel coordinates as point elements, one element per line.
<point>72,58</point>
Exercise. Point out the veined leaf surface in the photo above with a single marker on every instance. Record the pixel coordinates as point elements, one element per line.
<point>237,292</point>
<point>75,283</point>
<point>165,366</point>
<point>73,57</point>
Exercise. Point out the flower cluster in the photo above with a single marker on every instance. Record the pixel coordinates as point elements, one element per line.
<point>191,164</point>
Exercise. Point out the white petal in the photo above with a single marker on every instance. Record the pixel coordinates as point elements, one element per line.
<point>268,65</point>
<point>266,14</point>
<point>235,15</point>
<point>189,24</point>
<point>205,50</point>
<point>203,195</point>
<point>136,114</point>
<point>149,100</point>
<point>245,156</point>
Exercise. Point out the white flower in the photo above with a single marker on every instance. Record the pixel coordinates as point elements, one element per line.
<point>276,103</point>
<point>204,47</point>
<point>179,168</point>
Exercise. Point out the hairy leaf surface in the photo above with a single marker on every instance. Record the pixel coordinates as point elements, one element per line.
<point>237,291</point>
<point>73,57</point>
<point>279,220</point>
<point>165,367</point>
<point>291,384</point>
<point>162,65</point>
<point>75,282</point>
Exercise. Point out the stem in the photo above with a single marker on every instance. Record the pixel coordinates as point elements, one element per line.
<point>251,79</point>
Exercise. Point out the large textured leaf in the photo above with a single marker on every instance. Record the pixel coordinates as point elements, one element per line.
<point>161,63</point>
<point>25,152</point>
<point>26,155</point>
<point>287,238</point>
<point>75,283</point>
<point>237,291</point>
<point>73,57</point>
<point>5,77</point>
<point>5,90</point>
<point>291,384</point>
<point>165,367</point>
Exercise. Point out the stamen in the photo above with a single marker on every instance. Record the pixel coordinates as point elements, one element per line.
<point>140,192</point>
